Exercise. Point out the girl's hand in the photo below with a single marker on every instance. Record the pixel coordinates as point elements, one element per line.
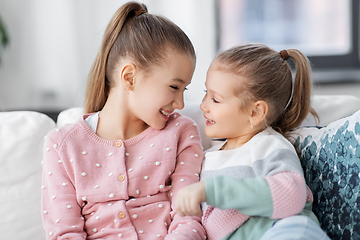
<point>189,198</point>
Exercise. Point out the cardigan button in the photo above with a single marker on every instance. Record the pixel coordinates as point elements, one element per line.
<point>118,144</point>
<point>121,215</point>
<point>122,178</point>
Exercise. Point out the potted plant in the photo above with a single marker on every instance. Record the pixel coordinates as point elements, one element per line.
<point>4,38</point>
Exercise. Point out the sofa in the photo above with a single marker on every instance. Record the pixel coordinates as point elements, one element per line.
<point>330,156</point>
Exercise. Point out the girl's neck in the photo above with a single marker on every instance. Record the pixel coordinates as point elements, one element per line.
<point>117,123</point>
<point>235,143</point>
<point>232,143</point>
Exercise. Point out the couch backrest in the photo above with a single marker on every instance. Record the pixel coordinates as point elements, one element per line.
<point>329,108</point>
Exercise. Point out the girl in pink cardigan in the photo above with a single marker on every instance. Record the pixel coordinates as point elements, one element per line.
<point>115,172</point>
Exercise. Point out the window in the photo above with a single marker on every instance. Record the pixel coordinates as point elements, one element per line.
<point>327,31</point>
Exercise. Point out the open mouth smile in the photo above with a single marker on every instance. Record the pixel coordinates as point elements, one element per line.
<point>209,121</point>
<point>164,112</point>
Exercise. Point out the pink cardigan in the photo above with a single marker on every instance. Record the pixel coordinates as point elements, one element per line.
<point>99,189</point>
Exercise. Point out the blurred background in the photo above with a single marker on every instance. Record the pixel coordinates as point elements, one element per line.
<point>47,47</point>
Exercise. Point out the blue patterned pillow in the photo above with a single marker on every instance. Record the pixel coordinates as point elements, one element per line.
<point>330,157</point>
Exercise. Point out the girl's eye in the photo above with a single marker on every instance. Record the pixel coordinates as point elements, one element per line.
<point>176,87</point>
<point>214,100</point>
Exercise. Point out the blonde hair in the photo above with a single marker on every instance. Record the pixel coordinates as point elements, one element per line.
<point>133,33</point>
<point>268,77</point>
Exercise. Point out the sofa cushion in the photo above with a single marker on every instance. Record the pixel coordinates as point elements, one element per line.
<point>70,115</point>
<point>331,108</point>
<point>330,157</point>
<point>21,143</point>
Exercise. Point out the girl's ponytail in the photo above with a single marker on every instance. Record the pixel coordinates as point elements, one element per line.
<point>98,84</point>
<point>299,104</point>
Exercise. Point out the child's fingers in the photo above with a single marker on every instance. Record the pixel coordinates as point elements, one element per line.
<point>184,208</point>
<point>192,208</point>
<point>187,202</point>
<point>188,207</point>
<point>198,212</point>
<point>179,206</point>
<point>196,208</point>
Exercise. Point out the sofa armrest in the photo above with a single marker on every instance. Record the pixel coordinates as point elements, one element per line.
<point>22,138</point>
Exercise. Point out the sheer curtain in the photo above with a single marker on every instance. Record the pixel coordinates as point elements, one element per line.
<point>53,44</point>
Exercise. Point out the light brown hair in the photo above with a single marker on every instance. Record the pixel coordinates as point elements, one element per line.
<point>268,77</point>
<point>134,33</point>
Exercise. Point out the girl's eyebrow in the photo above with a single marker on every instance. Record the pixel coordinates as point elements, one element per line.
<point>180,81</point>
<point>215,93</point>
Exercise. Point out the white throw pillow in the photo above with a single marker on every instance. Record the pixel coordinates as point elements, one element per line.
<point>21,145</point>
<point>70,115</point>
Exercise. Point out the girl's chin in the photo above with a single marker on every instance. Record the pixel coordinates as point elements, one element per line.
<point>158,127</point>
<point>210,133</point>
<point>160,124</point>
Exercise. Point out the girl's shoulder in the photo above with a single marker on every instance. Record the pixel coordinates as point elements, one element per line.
<point>58,134</point>
<point>271,140</point>
<point>180,122</point>
<point>270,135</point>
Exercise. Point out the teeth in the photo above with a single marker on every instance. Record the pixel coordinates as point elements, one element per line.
<point>164,113</point>
<point>211,121</point>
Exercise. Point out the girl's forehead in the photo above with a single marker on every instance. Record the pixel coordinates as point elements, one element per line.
<point>219,76</point>
<point>220,82</point>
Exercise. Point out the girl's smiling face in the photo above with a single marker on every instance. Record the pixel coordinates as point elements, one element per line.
<point>225,116</point>
<point>158,93</point>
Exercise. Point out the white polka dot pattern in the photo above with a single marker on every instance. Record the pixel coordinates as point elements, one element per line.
<point>104,179</point>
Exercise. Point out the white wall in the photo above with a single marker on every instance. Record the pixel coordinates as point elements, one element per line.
<point>53,44</point>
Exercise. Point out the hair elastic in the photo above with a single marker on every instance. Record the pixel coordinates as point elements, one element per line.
<point>139,12</point>
<point>284,54</point>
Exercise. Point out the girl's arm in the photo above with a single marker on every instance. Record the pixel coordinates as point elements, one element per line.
<point>187,170</point>
<point>279,190</point>
<point>277,196</point>
<point>61,212</point>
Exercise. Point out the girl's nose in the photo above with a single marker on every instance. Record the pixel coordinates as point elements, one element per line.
<point>203,105</point>
<point>179,102</point>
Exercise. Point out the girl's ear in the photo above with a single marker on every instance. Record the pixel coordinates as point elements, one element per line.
<point>128,76</point>
<point>259,111</point>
